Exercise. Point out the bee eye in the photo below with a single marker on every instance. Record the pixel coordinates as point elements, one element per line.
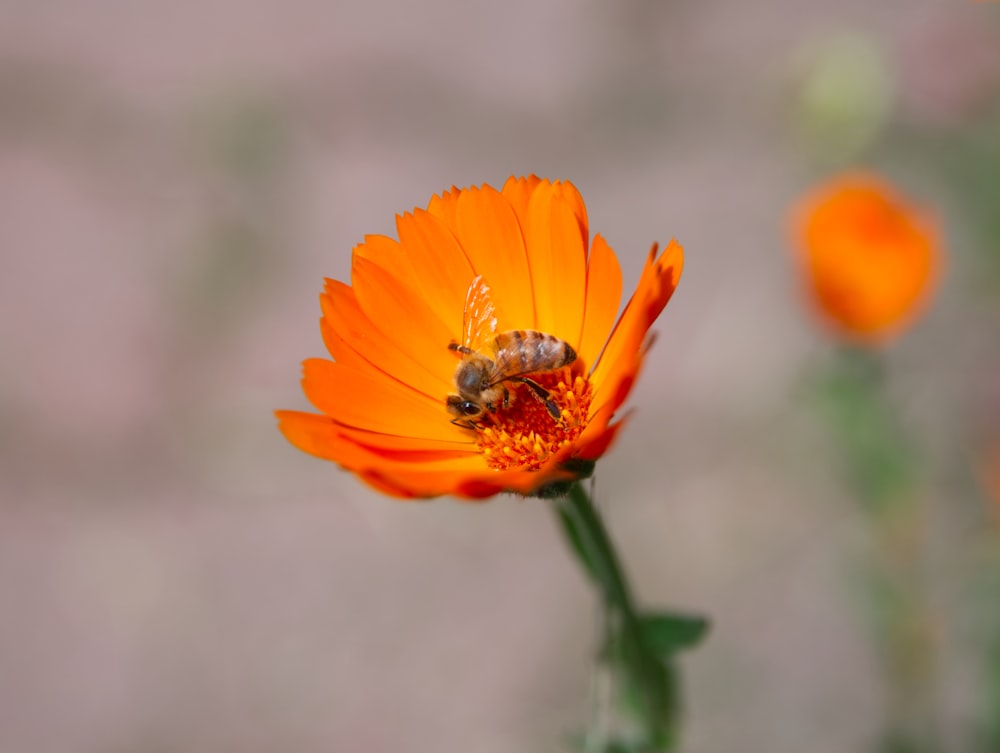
<point>469,408</point>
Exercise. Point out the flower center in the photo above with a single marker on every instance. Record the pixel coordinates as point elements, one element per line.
<point>524,435</point>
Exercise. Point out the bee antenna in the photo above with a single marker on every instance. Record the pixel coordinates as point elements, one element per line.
<point>454,346</point>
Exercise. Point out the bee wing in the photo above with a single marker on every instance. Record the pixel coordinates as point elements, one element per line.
<point>479,320</point>
<point>506,365</point>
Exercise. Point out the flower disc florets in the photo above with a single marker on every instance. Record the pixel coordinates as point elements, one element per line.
<point>524,435</point>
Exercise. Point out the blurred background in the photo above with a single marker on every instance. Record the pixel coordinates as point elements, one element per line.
<point>176,179</point>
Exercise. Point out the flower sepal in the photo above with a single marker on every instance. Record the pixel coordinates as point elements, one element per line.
<point>581,470</point>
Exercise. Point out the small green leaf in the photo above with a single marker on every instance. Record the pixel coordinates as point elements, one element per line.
<point>667,633</point>
<point>664,634</point>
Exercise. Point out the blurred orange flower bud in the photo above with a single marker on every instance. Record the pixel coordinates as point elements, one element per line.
<point>989,473</point>
<point>870,259</point>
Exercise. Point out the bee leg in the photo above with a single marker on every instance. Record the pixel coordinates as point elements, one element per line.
<point>464,423</point>
<point>543,395</point>
<point>506,398</point>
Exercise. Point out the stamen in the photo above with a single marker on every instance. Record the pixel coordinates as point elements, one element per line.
<point>524,435</point>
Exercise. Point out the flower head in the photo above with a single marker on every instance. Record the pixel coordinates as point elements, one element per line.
<point>480,352</point>
<point>869,258</point>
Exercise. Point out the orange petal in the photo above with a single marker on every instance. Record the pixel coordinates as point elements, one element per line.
<point>370,401</point>
<point>556,236</point>
<point>316,435</point>
<point>489,232</point>
<point>622,356</point>
<point>404,317</point>
<point>445,207</point>
<point>386,253</point>
<point>442,271</point>
<point>422,462</point>
<point>518,192</point>
<point>354,341</point>
<point>415,483</point>
<point>604,293</point>
<point>323,437</point>
<point>396,446</point>
<point>594,444</point>
<point>464,477</point>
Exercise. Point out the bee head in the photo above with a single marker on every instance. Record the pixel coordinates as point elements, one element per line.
<point>472,377</point>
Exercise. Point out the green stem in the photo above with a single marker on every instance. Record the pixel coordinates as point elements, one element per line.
<point>602,560</point>
<point>883,467</point>
<point>645,679</point>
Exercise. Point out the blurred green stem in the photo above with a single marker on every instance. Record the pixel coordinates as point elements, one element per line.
<point>641,677</point>
<point>596,550</point>
<point>993,695</point>
<point>882,466</point>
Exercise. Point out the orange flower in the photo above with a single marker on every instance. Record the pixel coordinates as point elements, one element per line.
<point>990,475</point>
<point>870,259</point>
<point>383,397</point>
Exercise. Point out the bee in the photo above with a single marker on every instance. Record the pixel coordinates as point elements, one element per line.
<point>491,360</point>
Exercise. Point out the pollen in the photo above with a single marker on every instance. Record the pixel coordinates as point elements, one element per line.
<point>524,435</point>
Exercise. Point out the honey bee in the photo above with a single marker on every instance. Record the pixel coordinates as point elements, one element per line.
<point>491,360</point>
